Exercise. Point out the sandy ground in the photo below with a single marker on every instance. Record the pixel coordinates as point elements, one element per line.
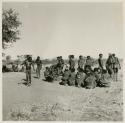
<point>44,101</point>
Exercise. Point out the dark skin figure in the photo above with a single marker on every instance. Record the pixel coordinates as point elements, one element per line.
<point>39,66</point>
<point>28,63</point>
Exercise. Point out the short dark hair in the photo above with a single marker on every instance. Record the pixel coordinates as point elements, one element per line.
<point>38,57</point>
<point>100,54</point>
<point>88,56</point>
<point>80,56</point>
<point>71,56</point>
<point>30,58</point>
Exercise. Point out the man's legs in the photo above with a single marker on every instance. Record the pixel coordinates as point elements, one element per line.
<point>116,74</point>
<point>38,72</point>
<point>29,75</point>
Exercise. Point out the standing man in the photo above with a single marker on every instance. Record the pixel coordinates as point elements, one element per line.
<point>39,67</point>
<point>89,63</point>
<point>71,62</point>
<point>116,66</point>
<point>80,62</point>
<point>62,63</point>
<point>28,63</point>
<point>100,62</point>
<point>109,65</point>
<point>58,65</point>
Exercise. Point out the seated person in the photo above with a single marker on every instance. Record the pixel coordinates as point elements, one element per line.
<point>71,79</point>
<point>101,78</point>
<point>87,68</point>
<point>90,80</point>
<point>80,76</point>
<point>97,73</point>
<point>65,76</point>
<point>47,74</point>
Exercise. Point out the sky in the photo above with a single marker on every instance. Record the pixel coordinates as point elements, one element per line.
<point>60,29</point>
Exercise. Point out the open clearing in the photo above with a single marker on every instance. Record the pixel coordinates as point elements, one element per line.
<point>44,101</point>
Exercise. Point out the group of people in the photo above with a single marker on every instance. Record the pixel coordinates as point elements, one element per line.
<point>86,75</point>
<point>28,64</point>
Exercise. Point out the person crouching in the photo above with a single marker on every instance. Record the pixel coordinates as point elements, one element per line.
<point>65,76</point>
<point>80,76</point>
<point>90,80</point>
<point>71,79</point>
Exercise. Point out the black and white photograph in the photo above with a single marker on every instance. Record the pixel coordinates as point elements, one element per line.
<point>62,61</point>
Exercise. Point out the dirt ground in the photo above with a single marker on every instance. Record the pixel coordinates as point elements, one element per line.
<point>44,101</point>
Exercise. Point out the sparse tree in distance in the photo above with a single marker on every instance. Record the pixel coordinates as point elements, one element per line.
<point>10,24</point>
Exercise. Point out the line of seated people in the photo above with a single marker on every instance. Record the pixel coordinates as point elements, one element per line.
<point>88,78</point>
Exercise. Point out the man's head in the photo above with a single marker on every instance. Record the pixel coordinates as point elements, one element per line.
<point>58,57</point>
<point>80,57</point>
<point>71,56</point>
<point>88,72</point>
<point>113,55</point>
<point>88,57</point>
<point>47,68</point>
<point>110,54</point>
<point>29,58</point>
<point>100,55</point>
<point>38,58</point>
